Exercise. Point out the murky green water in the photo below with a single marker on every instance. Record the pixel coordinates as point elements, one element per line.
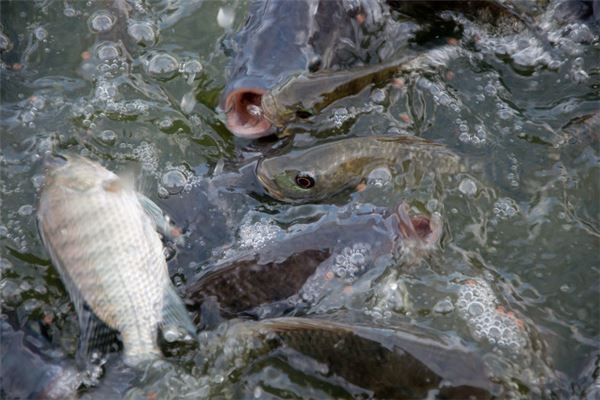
<point>524,216</point>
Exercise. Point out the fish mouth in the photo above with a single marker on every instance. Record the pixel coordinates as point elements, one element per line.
<point>244,116</point>
<point>422,229</point>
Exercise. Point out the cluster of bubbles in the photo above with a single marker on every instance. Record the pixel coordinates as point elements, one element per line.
<point>147,155</point>
<point>440,95</point>
<point>258,234</point>
<point>478,306</point>
<point>477,136</point>
<point>505,208</point>
<point>352,261</point>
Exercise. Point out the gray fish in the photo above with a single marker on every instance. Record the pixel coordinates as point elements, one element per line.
<point>298,270</point>
<point>404,362</point>
<point>110,257</point>
<point>320,172</point>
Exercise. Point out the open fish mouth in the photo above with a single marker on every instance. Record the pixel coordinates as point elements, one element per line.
<point>244,116</point>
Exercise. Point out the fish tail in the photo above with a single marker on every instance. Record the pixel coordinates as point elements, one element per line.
<point>175,318</point>
<point>140,346</point>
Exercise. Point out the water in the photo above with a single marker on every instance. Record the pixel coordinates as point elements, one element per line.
<point>522,224</point>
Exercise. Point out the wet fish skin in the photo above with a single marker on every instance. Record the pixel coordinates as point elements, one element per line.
<point>404,362</point>
<point>273,277</point>
<point>338,165</point>
<point>109,255</point>
<point>311,34</point>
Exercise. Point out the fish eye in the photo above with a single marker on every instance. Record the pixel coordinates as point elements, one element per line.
<point>314,64</point>
<point>304,180</point>
<point>303,114</point>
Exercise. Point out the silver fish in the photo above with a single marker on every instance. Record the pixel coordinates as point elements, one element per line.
<point>105,246</point>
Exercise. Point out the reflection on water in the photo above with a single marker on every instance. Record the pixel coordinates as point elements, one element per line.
<point>516,276</point>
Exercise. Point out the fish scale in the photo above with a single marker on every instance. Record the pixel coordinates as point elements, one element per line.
<point>108,253</point>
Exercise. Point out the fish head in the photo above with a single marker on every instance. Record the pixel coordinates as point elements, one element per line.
<point>79,174</point>
<point>301,176</point>
<point>310,35</point>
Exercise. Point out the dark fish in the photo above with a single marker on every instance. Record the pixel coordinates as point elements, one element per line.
<point>308,36</point>
<point>298,268</point>
<point>320,172</point>
<point>404,362</point>
<point>28,372</point>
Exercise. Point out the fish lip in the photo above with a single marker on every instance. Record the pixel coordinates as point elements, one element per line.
<point>239,121</point>
<point>264,182</point>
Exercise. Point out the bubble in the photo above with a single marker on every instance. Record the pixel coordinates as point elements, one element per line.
<point>40,33</point>
<point>171,334</point>
<point>258,234</point>
<point>69,11</point>
<point>107,137</point>
<point>467,186</point>
<point>162,65</point>
<point>190,69</point>
<point>108,51</point>
<point>352,261</point>
<point>379,177</point>
<point>142,32</point>
<point>174,181</point>
<point>475,308</point>
<point>444,306</point>
<point>101,21</point>
<point>25,210</point>
<point>340,115</point>
<point>378,96</point>
<point>225,17</point>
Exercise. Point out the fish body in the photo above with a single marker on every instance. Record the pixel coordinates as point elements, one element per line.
<point>109,255</point>
<point>404,362</point>
<point>299,270</point>
<point>320,172</point>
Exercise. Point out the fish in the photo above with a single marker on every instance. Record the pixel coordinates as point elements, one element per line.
<point>405,361</point>
<point>294,272</point>
<point>310,35</point>
<point>110,257</point>
<point>322,171</point>
<point>342,45</point>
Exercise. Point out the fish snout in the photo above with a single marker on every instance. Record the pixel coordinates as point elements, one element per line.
<point>244,113</point>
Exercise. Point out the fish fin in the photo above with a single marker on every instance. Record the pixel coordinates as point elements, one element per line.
<point>162,222</point>
<point>175,317</point>
<point>96,338</point>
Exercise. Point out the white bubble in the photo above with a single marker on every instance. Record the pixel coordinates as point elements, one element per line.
<point>467,186</point>
<point>162,65</point>
<point>101,21</point>
<point>444,306</point>
<point>143,32</point>
<point>108,51</point>
<point>174,181</point>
